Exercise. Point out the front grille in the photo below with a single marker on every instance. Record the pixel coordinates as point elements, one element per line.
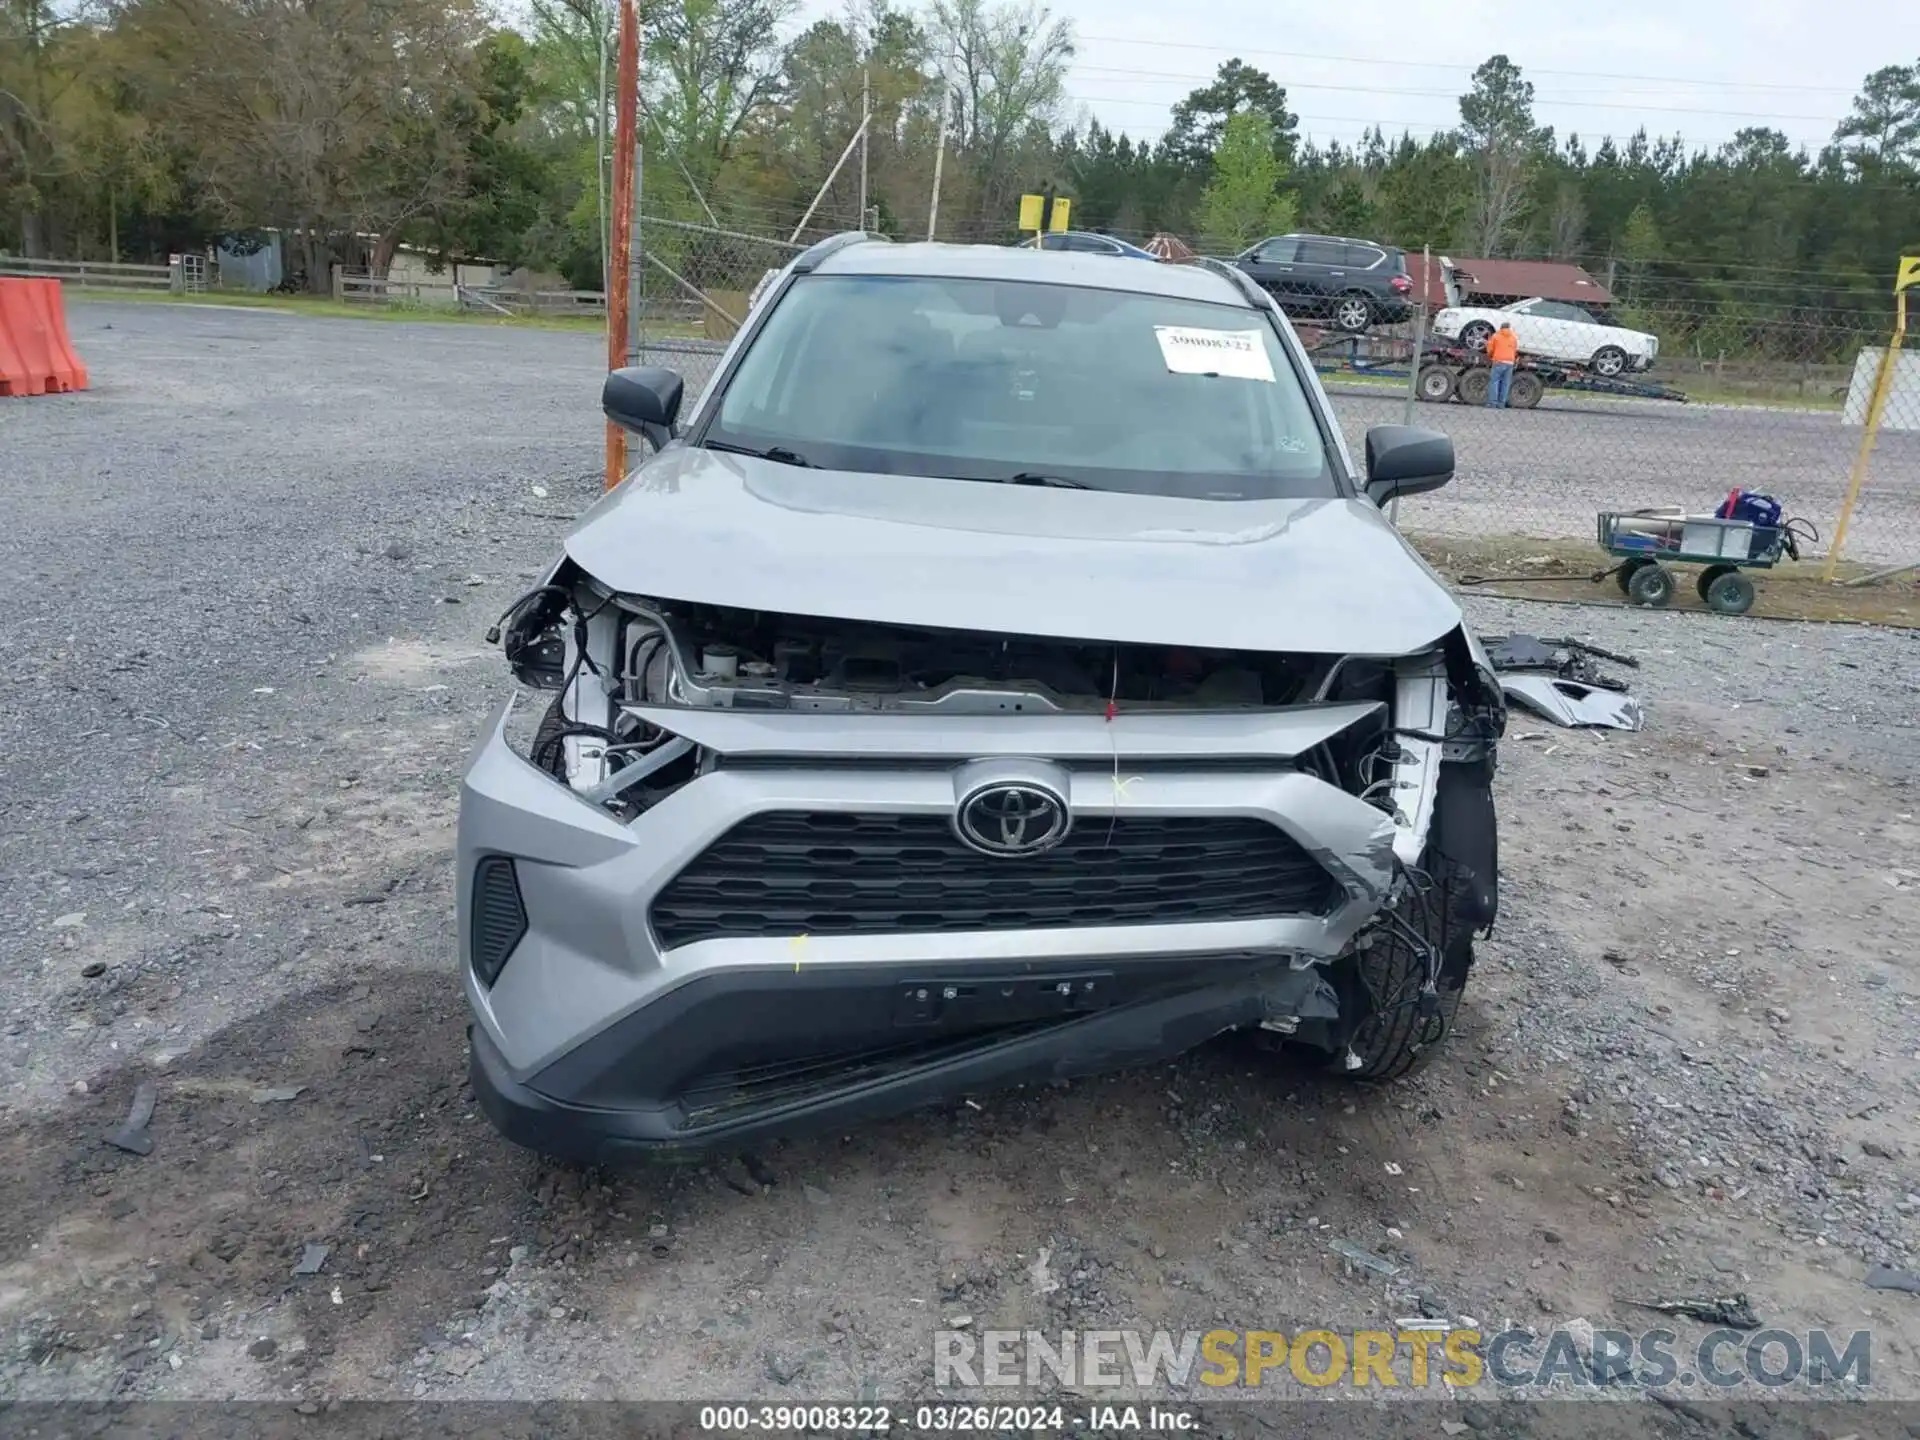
<point>788,873</point>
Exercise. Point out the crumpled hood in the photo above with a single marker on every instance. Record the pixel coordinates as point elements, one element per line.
<point>1329,576</point>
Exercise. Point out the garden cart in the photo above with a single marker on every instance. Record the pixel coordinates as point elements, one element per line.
<point>1746,533</point>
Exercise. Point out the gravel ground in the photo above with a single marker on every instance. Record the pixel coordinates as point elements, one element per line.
<point>249,572</point>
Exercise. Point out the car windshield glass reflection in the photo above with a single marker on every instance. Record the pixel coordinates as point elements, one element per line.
<point>993,380</point>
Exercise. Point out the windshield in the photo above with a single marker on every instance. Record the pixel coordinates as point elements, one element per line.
<point>1034,383</point>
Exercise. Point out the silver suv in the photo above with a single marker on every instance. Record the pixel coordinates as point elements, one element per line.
<point>1002,674</point>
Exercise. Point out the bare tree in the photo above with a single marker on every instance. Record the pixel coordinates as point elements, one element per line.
<point>1498,134</point>
<point>1009,77</point>
<point>1568,224</point>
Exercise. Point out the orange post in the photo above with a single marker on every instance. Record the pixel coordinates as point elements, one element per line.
<point>626,116</point>
<point>36,355</point>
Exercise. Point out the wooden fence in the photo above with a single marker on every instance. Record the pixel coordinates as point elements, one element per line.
<point>96,274</point>
<point>444,294</point>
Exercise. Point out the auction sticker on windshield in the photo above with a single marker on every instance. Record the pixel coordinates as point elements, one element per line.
<point>1235,353</point>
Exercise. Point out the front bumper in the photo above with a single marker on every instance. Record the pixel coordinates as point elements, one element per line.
<point>648,1085</point>
<point>596,1039</point>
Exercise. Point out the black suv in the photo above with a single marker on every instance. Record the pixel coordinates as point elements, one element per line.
<point>1354,283</point>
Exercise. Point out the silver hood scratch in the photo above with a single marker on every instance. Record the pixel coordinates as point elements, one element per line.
<point>1309,576</point>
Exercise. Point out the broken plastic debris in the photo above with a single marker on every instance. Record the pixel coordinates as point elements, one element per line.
<point>1043,1279</point>
<point>539,492</point>
<point>1393,1169</point>
<point>1573,704</point>
<point>1885,1277</point>
<point>1733,1311</point>
<point>1363,1259</point>
<point>312,1257</point>
<point>1556,680</point>
<point>133,1135</point>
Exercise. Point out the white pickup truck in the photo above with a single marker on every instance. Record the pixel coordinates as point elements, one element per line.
<point>1552,330</point>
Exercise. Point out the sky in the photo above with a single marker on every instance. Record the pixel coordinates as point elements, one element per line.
<point>1699,68</point>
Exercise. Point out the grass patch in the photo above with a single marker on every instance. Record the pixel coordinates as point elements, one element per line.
<point>1783,397</point>
<point>1517,568</point>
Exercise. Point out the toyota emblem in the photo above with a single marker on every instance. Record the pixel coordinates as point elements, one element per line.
<point>1013,818</point>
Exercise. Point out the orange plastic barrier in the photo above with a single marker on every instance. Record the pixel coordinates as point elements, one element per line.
<point>36,357</point>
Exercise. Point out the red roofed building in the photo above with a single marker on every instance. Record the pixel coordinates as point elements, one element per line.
<point>1499,282</point>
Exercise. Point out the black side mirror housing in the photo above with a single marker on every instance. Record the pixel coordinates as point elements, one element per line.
<point>1406,460</point>
<point>644,399</point>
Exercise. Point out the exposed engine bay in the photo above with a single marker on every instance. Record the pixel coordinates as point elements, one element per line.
<point>701,655</point>
<point>608,655</point>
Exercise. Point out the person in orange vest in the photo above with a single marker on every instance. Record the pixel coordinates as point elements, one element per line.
<point>1503,348</point>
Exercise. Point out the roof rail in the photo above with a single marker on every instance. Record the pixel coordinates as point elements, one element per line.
<point>816,254</point>
<point>1241,281</point>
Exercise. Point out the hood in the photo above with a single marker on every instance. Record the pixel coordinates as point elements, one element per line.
<point>702,526</point>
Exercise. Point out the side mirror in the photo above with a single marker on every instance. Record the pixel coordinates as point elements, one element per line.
<point>1406,460</point>
<point>644,399</point>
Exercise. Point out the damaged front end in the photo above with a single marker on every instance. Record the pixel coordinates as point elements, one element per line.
<point>824,863</point>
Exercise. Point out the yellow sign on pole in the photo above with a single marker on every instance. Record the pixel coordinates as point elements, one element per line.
<point>1905,277</point>
<point>1041,213</point>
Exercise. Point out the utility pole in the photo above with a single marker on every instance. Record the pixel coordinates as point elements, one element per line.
<point>940,151</point>
<point>626,116</point>
<point>1413,362</point>
<point>866,114</point>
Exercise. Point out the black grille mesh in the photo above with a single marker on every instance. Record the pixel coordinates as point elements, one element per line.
<point>791,873</point>
<point>499,919</point>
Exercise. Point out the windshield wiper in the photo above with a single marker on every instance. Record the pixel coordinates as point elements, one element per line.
<point>777,453</point>
<point>1026,477</point>
<point>1034,477</point>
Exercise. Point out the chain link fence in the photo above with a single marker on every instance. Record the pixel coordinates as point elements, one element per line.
<point>1668,403</point>
<point>1630,411</point>
<point>696,282</point>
